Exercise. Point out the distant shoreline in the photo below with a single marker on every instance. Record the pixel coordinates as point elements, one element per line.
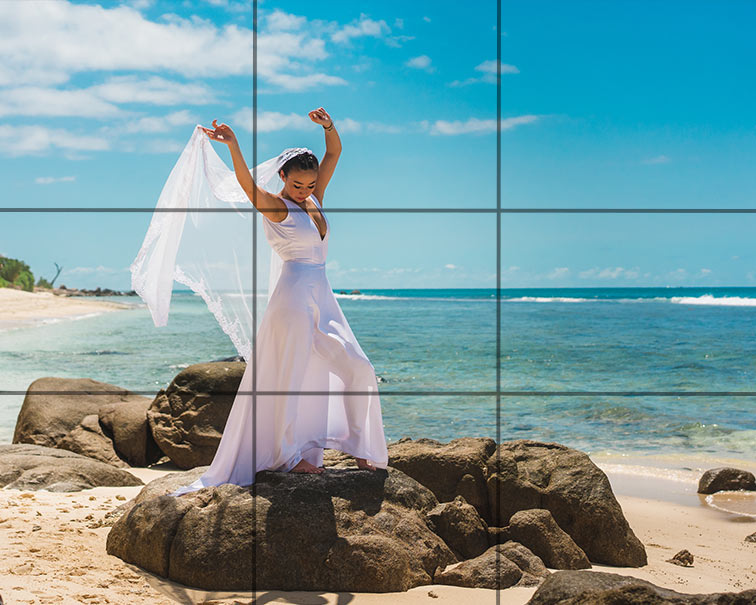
<point>19,308</point>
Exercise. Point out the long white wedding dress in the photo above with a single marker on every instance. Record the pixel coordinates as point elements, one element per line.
<point>304,343</point>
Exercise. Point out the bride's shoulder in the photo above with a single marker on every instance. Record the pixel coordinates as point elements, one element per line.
<point>274,208</point>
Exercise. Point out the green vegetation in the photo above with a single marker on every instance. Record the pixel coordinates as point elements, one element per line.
<point>14,272</point>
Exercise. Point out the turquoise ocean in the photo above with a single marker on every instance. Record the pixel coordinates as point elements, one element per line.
<point>435,353</point>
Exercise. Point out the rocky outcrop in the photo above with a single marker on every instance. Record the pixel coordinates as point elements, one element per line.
<point>130,431</point>
<point>58,412</point>
<point>602,588</point>
<point>447,469</point>
<point>516,566</point>
<point>355,530</point>
<point>536,529</point>
<point>726,478</point>
<point>188,417</point>
<point>88,439</point>
<point>460,526</point>
<point>34,467</point>
<point>526,474</point>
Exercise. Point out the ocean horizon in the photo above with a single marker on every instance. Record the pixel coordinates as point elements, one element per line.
<point>426,342</point>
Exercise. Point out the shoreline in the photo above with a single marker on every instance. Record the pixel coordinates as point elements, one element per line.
<point>68,558</point>
<point>21,309</point>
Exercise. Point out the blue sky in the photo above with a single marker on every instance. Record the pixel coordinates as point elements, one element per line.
<point>604,104</point>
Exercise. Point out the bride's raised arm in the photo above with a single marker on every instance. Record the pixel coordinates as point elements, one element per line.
<point>333,151</point>
<point>270,205</point>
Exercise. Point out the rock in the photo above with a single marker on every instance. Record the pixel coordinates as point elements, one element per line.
<point>355,530</point>
<point>498,535</point>
<point>750,537</point>
<point>526,474</point>
<point>517,567</point>
<point>683,558</point>
<point>187,418</point>
<point>460,526</point>
<point>536,529</point>
<point>725,478</point>
<point>447,469</point>
<point>602,588</point>
<point>533,568</point>
<point>33,467</point>
<point>49,415</point>
<point>130,431</point>
<point>89,440</point>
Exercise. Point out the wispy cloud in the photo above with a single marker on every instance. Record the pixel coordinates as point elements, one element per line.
<point>488,69</point>
<point>422,62</point>
<point>49,180</point>
<point>39,140</point>
<point>364,26</point>
<point>477,126</point>
<point>610,273</point>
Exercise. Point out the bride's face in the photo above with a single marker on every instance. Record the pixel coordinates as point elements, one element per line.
<point>300,184</point>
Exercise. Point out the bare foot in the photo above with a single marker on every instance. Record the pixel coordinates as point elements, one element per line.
<point>305,467</point>
<point>364,464</point>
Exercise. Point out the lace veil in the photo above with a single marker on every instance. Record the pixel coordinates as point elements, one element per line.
<point>203,234</point>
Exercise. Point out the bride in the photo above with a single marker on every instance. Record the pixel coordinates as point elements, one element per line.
<point>304,342</point>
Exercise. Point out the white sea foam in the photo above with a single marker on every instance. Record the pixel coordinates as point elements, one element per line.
<point>708,299</point>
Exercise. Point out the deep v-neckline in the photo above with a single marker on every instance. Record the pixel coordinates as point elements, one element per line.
<point>309,218</point>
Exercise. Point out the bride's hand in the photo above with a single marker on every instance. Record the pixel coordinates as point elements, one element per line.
<point>320,116</point>
<point>222,133</point>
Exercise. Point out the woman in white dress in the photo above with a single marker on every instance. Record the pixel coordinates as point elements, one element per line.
<point>304,342</point>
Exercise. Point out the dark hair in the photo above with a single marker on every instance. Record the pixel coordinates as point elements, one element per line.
<point>303,161</point>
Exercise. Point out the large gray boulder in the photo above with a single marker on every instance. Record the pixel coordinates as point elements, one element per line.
<point>34,467</point>
<point>188,417</point>
<point>602,588</point>
<point>526,474</point>
<point>54,411</point>
<point>342,530</point>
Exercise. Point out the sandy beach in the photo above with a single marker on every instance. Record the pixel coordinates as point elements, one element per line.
<point>19,308</point>
<point>53,551</point>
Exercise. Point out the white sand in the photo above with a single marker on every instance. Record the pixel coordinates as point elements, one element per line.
<point>65,560</point>
<point>19,308</point>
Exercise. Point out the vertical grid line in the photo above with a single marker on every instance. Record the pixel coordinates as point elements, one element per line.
<point>495,516</point>
<point>254,302</point>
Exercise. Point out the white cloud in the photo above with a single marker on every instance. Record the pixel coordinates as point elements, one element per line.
<point>659,159</point>
<point>558,273</point>
<point>427,19</point>
<point>421,62</point>
<point>279,20</point>
<point>364,26</point>
<point>270,121</point>
<point>78,38</point>
<point>48,180</point>
<point>39,139</point>
<point>609,273</point>
<point>450,266</point>
<point>477,126</point>
<point>164,123</point>
<point>37,101</point>
<point>704,272</point>
<point>153,90</point>
<point>488,68</point>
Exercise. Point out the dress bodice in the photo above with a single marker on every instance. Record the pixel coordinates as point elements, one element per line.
<point>297,238</point>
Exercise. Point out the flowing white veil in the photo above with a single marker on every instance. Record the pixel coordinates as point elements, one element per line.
<point>201,235</point>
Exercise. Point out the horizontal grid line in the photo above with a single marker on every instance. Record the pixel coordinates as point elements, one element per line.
<point>19,209</point>
<point>426,393</point>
